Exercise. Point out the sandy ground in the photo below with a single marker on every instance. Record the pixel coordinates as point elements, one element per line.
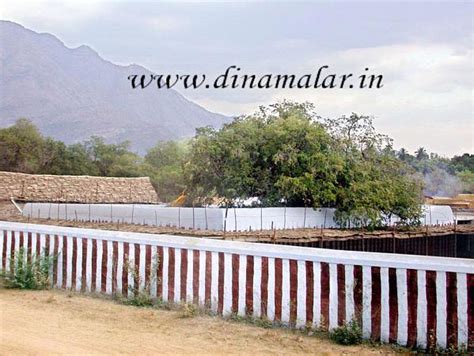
<point>57,322</point>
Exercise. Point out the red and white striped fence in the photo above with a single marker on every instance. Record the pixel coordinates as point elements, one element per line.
<point>409,300</point>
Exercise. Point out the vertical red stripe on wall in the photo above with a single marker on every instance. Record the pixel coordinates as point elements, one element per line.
<point>84,264</point>
<point>94,265</point>
<point>74,261</point>
<point>171,276</point>
<point>208,279</point>
<point>220,286</point>
<point>196,272</point>
<point>124,269</point>
<point>249,287</point>
<point>159,273</point>
<point>114,266</point>
<point>55,259</point>
<point>103,268</point>
<point>21,244</point>
<point>324,295</point>
<point>235,283</point>
<point>278,287</point>
<point>264,287</point>
<point>184,273</point>
<point>309,292</point>
<point>12,251</point>
<point>293,291</point>
<point>375,305</point>
<point>393,304</point>
<point>470,310</point>
<point>431,308</point>
<point>30,238</point>
<point>341,294</point>
<point>451,309</point>
<point>64,253</point>
<point>358,289</point>
<point>46,243</point>
<point>4,252</point>
<point>136,268</point>
<point>38,244</point>
<point>148,263</point>
<point>412,296</point>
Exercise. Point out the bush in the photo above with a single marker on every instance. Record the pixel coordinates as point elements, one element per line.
<point>189,310</point>
<point>32,273</point>
<point>347,334</point>
<point>138,299</point>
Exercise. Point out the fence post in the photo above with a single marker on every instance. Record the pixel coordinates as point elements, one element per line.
<point>156,218</point>
<point>194,220</point>
<point>304,218</point>
<point>111,214</point>
<point>235,220</point>
<point>133,211</point>
<point>205,216</point>
<point>179,217</point>
<point>49,212</point>
<point>284,218</point>
<point>261,218</point>
<point>89,212</point>
<point>225,219</point>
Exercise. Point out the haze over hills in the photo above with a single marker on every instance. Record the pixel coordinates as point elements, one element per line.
<point>71,94</point>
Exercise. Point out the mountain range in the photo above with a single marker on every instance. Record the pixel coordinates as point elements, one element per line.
<point>71,94</point>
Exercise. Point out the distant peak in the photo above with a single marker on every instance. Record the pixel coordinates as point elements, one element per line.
<point>83,49</point>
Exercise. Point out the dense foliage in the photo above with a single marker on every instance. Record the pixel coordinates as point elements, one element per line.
<point>28,273</point>
<point>284,155</point>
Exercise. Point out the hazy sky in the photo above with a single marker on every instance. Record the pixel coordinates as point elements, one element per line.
<point>423,49</point>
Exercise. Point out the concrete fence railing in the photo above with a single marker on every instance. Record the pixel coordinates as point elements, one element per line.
<point>409,300</point>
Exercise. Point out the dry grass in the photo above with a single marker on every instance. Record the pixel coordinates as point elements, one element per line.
<point>57,322</point>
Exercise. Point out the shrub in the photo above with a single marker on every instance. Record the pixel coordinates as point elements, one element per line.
<point>138,299</point>
<point>347,334</point>
<point>28,273</point>
<point>189,310</point>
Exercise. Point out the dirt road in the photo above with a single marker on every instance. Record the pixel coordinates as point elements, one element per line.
<point>55,322</point>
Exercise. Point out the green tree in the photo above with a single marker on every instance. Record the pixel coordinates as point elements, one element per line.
<point>286,154</point>
<point>279,155</point>
<point>113,160</point>
<point>21,146</point>
<point>164,165</point>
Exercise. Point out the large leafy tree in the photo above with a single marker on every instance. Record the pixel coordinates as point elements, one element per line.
<point>286,154</point>
<point>279,155</point>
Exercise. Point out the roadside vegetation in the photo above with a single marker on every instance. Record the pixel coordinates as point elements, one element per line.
<point>283,155</point>
<point>28,272</point>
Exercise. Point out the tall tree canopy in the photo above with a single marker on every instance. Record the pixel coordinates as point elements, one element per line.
<point>285,154</point>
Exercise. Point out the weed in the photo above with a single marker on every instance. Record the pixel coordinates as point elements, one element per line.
<point>28,272</point>
<point>140,293</point>
<point>263,322</point>
<point>138,299</point>
<point>347,334</point>
<point>189,310</point>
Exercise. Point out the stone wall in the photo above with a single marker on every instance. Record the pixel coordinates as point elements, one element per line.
<point>77,189</point>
